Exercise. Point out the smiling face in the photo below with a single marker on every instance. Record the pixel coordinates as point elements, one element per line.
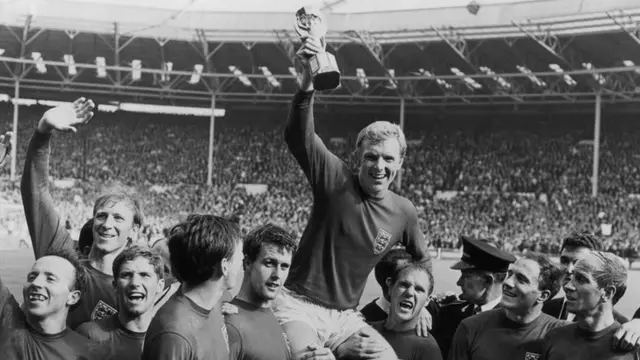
<point>49,287</point>
<point>521,289</point>
<point>113,226</point>
<point>268,272</point>
<point>409,294</point>
<point>379,165</point>
<point>137,286</point>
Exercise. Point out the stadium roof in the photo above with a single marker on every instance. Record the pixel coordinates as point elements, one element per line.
<point>515,52</point>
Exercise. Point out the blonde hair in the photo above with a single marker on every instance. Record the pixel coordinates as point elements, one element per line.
<point>380,131</point>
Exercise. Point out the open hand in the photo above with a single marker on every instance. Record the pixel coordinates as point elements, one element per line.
<point>67,117</point>
<point>627,338</point>
<point>361,345</point>
<point>425,323</point>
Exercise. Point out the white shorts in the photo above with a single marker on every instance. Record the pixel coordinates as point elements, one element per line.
<point>333,327</point>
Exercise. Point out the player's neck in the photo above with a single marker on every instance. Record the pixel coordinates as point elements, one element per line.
<point>103,261</point>
<point>205,295</point>
<point>248,295</point>
<point>597,320</point>
<point>399,325</point>
<point>138,323</point>
<point>525,317</point>
<point>50,325</point>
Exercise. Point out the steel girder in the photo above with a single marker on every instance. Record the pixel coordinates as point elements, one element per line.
<point>620,81</point>
<point>64,84</point>
<point>461,48</point>
<point>559,49</point>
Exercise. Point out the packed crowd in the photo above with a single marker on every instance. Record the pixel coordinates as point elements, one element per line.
<point>164,159</point>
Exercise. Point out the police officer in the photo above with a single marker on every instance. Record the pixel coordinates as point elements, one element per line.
<point>483,269</point>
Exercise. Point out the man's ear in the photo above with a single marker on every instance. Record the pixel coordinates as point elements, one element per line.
<point>489,278</point>
<point>74,297</point>
<point>608,293</point>
<point>544,296</point>
<point>388,282</point>
<point>224,267</point>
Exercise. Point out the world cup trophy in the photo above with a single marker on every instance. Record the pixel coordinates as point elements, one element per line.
<point>323,65</point>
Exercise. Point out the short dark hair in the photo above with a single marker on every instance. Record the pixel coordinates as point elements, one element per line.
<point>86,236</point>
<point>198,245</point>
<point>267,234</point>
<point>550,274</point>
<point>388,265</point>
<point>584,239</point>
<point>415,266</point>
<point>134,252</point>
<point>80,279</point>
<point>120,196</point>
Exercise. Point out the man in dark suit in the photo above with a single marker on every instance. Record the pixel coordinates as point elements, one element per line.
<point>483,269</point>
<point>574,248</point>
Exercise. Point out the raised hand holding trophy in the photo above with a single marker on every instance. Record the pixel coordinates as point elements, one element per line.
<point>323,65</point>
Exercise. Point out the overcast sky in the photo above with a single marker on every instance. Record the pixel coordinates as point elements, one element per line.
<point>288,5</point>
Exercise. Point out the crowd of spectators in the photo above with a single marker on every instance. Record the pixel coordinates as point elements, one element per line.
<point>524,183</point>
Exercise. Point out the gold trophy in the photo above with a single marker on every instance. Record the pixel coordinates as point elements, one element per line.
<point>323,66</point>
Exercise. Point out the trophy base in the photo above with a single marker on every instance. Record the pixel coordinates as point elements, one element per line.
<point>325,72</point>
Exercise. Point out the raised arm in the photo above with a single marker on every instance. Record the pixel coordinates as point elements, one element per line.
<point>45,226</point>
<point>321,167</point>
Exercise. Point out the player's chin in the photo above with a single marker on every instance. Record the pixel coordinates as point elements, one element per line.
<point>269,293</point>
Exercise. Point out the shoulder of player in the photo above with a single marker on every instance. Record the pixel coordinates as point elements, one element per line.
<point>94,330</point>
<point>558,329</point>
<point>483,319</point>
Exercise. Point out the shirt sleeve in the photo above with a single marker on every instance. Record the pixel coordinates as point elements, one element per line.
<point>43,220</point>
<point>459,349</point>
<point>322,168</point>
<point>167,346</point>
<point>236,350</point>
<point>414,240</point>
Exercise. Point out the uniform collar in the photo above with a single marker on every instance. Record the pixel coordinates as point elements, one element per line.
<point>383,304</point>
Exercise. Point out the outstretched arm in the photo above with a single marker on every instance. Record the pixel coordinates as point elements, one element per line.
<point>45,227</point>
<point>321,167</point>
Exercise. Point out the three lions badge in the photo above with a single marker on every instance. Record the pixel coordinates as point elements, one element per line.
<point>102,310</point>
<point>380,243</point>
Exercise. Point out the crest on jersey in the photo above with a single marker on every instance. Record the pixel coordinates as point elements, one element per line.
<point>382,240</point>
<point>102,310</point>
<point>531,356</point>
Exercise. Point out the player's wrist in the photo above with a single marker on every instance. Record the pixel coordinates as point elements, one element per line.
<point>44,127</point>
<point>306,83</point>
